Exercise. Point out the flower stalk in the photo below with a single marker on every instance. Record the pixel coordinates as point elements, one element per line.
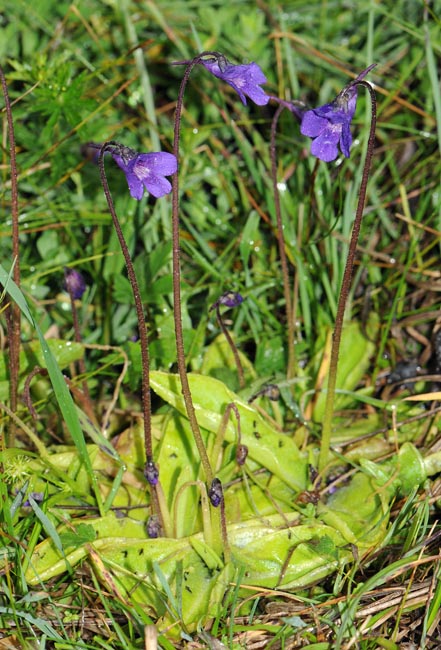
<point>346,284</point>
<point>246,81</point>
<point>281,245</point>
<point>150,472</point>
<point>13,313</point>
<point>230,299</point>
<point>177,310</point>
<point>76,286</point>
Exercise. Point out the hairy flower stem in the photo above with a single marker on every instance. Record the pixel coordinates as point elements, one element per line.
<point>78,339</point>
<point>233,347</point>
<point>13,314</point>
<point>180,351</point>
<point>142,328</point>
<point>345,287</point>
<point>224,532</point>
<point>282,250</point>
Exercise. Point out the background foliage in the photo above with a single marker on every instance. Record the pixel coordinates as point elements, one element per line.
<point>101,70</point>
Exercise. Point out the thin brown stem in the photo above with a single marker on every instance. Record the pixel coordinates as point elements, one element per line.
<point>27,389</point>
<point>345,287</point>
<point>233,347</point>
<point>150,471</point>
<point>78,339</point>
<point>180,351</point>
<point>13,312</point>
<point>142,327</point>
<point>281,244</point>
<point>216,496</point>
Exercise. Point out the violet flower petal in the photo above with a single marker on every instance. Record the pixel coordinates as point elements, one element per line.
<point>148,170</point>
<point>312,125</point>
<point>324,146</point>
<point>160,163</point>
<point>245,79</point>
<point>346,139</point>
<point>136,186</point>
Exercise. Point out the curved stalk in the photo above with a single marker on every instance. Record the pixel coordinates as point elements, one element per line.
<point>150,471</point>
<point>345,287</point>
<point>281,244</point>
<point>13,314</point>
<point>180,351</point>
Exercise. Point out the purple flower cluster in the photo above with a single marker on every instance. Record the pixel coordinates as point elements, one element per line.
<point>327,125</point>
<point>153,527</point>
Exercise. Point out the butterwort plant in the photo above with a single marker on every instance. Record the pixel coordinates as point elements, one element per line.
<point>246,81</point>
<point>143,171</point>
<point>330,127</point>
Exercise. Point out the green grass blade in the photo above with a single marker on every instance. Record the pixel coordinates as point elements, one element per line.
<point>39,623</point>
<point>48,526</point>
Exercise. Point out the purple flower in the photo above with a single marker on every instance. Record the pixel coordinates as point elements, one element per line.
<point>145,170</point>
<point>245,79</point>
<point>151,472</point>
<point>75,283</point>
<point>231,299</point>
<point>228,299</point>
<point>215,493</point>
<point>37,497</point>
<point>153,527</point>
<point>329,125</point>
